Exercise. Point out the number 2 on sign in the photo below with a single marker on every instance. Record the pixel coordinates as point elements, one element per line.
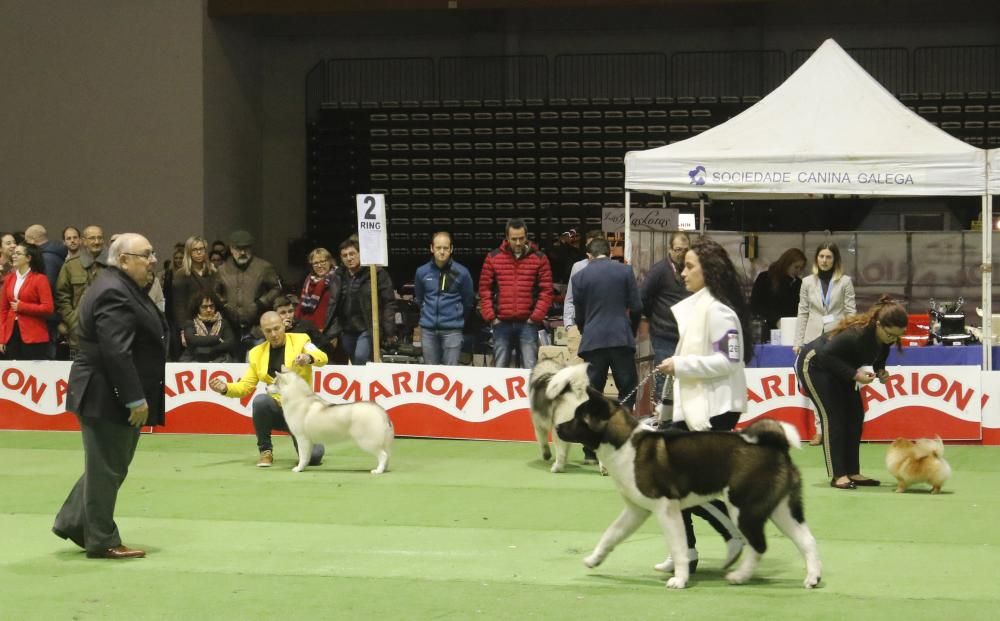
<point>370,213</point>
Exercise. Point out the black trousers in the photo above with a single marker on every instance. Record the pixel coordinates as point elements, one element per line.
<point>715,511</point>
<point>841,416</point>
<point>87,516</point>
<point>19,350</point>
<point>621,361</point>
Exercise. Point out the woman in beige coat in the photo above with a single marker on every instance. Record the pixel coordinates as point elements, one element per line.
<point>826,297</point>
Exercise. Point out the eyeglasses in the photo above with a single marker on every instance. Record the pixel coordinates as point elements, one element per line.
<point>320,262</point>
<point>207,306</point>
<point>149,256</point>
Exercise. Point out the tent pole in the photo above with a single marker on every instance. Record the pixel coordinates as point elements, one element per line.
<point>987,269</point>
<point>701,214</point>
<point>628,228</point>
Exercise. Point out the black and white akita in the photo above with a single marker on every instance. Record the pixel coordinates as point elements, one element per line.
<point>663,472</point>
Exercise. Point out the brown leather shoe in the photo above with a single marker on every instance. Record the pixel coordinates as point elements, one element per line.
<point>266,459</point>
<point>117,552</point>
<point>817,440</point>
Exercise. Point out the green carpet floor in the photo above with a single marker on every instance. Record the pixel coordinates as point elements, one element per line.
<point>465,530</point>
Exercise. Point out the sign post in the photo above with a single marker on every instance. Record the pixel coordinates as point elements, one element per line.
<point>373,251</point>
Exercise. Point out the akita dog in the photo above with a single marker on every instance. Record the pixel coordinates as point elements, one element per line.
<point>663,472</point>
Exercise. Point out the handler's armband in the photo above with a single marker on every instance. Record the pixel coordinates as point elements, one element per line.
<point>731,345</point>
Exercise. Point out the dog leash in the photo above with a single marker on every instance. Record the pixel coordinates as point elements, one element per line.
<point>652,398</point>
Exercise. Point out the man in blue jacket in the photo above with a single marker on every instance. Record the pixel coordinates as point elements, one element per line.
<point>605,294</point>
<point>443,289</point>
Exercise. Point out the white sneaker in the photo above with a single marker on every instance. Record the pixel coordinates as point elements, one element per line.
<point>734,547</point>
<point>667,566</point>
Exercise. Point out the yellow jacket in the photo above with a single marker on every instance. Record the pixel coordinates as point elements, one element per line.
<point>259,356</point>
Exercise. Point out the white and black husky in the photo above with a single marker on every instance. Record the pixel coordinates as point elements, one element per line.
<point>312,420</point>
<point>663,472</point>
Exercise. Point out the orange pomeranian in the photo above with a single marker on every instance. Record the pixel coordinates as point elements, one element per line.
<point>917,461</point>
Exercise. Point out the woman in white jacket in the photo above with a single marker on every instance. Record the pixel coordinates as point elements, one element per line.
<point>708,368</point>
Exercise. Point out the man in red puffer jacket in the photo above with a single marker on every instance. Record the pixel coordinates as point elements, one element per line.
<point>515,292</point>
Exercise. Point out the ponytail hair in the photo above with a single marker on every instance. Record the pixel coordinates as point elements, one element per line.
<point>886,311</point>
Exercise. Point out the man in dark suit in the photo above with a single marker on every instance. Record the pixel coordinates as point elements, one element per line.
<point>605,294</point>
<point>115,388</point>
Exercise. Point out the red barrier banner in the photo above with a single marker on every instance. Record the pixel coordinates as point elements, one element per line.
<point>492,404</point>
<point>915,402</point>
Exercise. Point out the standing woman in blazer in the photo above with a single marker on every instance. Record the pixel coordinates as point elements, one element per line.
<point>830,369</point>
<point>708,369</point>
<point>25,305</point>
<point>825,299</point>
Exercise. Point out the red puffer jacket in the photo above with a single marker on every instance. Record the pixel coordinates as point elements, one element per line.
<point>512,289</point>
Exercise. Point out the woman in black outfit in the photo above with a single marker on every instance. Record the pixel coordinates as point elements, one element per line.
<point>829,367</point>
<point>776,291</point>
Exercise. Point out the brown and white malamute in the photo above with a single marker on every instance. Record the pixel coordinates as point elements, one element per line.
<point>663,472</point>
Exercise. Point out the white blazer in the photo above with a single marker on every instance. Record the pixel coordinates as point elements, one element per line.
<point>718,367</point>
<point>810,324</point>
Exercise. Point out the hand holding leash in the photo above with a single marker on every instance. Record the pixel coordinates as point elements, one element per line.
<point>667,366</point>
<point>302,360</point>
<point>883,376</point>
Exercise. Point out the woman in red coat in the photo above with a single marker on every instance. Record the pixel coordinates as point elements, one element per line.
<point>25,304</point>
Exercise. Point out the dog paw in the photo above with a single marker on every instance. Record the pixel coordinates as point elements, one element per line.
<point>557,467</point>
<point>604,471</point>
<point>677,583</point>
<point>377,471</point>
<point>592,561</point>
<point>738,577</point>
<point>298,469</point>
<point>811,582</point>
<point>546,454</point>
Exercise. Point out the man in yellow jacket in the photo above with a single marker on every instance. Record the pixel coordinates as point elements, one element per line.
<point>279,348</point>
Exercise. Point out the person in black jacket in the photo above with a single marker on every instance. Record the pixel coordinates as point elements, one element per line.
<point>353,309</point>
<point>776,291</point>
<point>662,288</point>
<point>828,369</point>
<point>207,336</point>
<point>115,389</point>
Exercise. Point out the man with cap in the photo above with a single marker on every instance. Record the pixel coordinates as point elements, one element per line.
<point>247,286</point>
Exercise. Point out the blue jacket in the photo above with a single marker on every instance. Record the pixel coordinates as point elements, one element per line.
<point>445,295</point>
<point>605,294</point>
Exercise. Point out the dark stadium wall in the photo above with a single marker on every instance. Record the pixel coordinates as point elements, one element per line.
<point>291,46</point>
<point>102,116</point>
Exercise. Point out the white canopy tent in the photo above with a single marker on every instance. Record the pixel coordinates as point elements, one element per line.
<point>829,129</point>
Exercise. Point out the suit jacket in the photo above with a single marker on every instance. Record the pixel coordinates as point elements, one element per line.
<point>259,357</point>
<point>34,307</point>
<point>604,294</point>
<point>811,310</point>
<point>122,354</point>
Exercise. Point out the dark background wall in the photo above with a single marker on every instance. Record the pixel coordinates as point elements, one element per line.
<point>158,117</point>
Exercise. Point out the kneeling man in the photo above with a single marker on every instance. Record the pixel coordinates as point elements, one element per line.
<point>294,351</point>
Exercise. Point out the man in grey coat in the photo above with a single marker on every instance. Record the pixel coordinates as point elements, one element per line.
<point>115,388</point>
<point>605,295</point>
<point>247,286</point>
